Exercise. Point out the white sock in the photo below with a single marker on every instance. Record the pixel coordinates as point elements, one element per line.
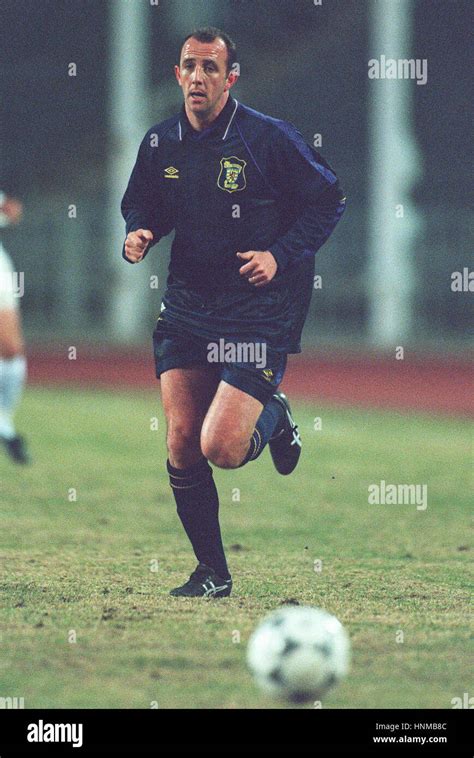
<point>12,380</point>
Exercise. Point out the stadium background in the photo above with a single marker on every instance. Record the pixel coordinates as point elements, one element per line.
<point>60,138</point>
<point>71,141</point>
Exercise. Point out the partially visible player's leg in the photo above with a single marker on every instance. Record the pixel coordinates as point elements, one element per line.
<point>11,338</point>
<point>186,396</point>
<point>248,412</point>
<point>12,380</point>
<point>229,426</point>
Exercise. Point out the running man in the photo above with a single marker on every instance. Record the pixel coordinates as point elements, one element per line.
<point>250,203</point>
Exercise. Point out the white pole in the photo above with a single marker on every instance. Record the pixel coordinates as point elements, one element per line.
<point>129,120</point>
<point>394,166</point>
<point>133,109</point>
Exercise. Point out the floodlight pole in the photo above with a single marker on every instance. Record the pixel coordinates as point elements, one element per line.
<point>128,113</point>
<point>394,166</point>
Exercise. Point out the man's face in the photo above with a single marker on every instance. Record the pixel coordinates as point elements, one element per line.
<point>202,75</point>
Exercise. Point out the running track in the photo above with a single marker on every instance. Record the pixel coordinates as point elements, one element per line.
<point>426,384</point>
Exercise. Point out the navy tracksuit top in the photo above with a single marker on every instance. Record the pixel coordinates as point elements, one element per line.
<point>248,182</point>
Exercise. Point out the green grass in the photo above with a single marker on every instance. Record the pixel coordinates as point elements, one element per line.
<point>85,566</point>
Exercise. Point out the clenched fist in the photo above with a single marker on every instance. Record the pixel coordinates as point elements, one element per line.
<point>136,244</point>
<point>261,267</point>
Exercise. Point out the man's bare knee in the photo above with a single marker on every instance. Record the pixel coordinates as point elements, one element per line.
<point>183,446</point>
<point>229,454</point>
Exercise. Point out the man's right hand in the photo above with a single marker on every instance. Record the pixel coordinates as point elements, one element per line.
<point>136,244</point>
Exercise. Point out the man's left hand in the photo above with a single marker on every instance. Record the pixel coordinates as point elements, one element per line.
<point>260,268</point>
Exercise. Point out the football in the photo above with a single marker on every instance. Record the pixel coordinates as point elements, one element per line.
<point>298,653</point>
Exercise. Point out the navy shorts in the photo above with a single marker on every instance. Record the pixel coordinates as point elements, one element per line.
<point>173,347</point>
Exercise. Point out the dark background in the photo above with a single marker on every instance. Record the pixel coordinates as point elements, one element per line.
<point>298,62</point>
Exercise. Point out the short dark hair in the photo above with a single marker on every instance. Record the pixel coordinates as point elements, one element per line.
<point>209,34</point>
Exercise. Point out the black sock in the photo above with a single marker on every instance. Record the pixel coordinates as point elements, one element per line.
<point>267,424</point>
<point>197,503</point>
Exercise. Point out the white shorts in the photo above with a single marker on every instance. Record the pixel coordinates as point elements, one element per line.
<point>8,299</point>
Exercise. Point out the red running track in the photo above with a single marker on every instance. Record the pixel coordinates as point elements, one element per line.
<point>427,384</point>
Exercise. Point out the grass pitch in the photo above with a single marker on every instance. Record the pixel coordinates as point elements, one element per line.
<point>91,544</point>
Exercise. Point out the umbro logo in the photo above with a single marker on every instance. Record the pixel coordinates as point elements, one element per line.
<point>171,173</point>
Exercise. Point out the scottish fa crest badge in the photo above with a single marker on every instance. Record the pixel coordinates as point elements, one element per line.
<point>232,174</point>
